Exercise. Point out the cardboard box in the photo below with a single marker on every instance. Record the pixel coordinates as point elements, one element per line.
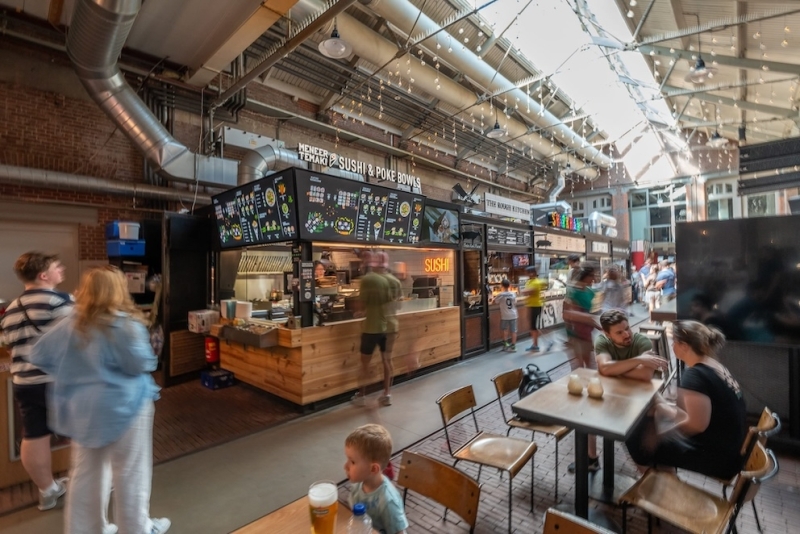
<point>217,379</point>
<point>200,321</point>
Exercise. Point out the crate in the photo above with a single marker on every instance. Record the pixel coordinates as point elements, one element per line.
<point>122,230</point>
<point>200,321</point>
<point>119,247</point>
<point>217,379</point>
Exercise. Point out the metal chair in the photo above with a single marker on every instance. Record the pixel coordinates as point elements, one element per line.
<point>663,495</point>
<point>509,382</point>
<point>453,489</point>
<point>557,522</point>
<point>768,425</point>
<point>500,452</point>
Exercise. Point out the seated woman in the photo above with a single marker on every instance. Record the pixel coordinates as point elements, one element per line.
<point>705,431</point>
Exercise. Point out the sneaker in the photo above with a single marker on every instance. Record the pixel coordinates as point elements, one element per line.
<point>160,525</point>
<point>111,528</point>
<point>48,500</point>
<point>534,348</point>
<point>513,348</point>
<point>385,400</point>
<point>594,465</point>
<point>359,400</point>
<point>505,344</point>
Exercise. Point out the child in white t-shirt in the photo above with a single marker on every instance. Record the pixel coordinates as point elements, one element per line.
<point>508,315</point>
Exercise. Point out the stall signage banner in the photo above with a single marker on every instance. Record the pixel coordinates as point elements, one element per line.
<point>564,221</point>
<point>599,247</point>
<point>320,156</point>
<point>498,235</point>
<point>506,207</point>
<point>620,250</point>
<point>437,265</point>
<point>472,236</point>
<point>562,243</point>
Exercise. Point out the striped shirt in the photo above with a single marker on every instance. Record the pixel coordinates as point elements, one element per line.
<point>44,308</point>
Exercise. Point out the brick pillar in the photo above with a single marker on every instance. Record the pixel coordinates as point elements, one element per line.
<point>620,211</point>
<point>696,200</point>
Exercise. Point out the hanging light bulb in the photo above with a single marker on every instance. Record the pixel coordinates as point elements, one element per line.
<point>630,13</point>
<point>784,43</point>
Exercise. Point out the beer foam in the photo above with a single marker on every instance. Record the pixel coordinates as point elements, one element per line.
<point>322,495</point>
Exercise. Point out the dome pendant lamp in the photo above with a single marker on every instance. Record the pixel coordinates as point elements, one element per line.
<point>335,47</point>
<point>496,132</point>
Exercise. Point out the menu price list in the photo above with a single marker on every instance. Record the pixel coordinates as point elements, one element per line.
<point>260,212</point>
<point>498,235</point>
<point>334,209</point>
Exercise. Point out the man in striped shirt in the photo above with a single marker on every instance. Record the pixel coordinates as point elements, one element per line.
<point>35,311</point>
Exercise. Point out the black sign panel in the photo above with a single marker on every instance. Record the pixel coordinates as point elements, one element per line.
<point>336,209</point>
<point>263,211</point>
<point>498,235</point>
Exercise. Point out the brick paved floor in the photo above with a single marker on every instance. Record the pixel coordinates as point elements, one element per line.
<point>778,501</point>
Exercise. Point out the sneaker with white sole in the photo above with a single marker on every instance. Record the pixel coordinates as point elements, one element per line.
<point>160,525</point>
<point>385,400</point>
<point>48,500</point>
<point>359,400</point>
<point>110,528</point>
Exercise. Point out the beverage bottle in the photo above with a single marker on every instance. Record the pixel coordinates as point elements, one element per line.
<point>360,523</point>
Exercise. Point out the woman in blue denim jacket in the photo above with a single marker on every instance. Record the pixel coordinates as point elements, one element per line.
<point>102,398</point>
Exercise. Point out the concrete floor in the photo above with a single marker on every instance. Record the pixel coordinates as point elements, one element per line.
<point>223,488</point>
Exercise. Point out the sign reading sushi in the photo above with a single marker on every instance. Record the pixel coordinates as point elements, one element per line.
<point>335,209</point>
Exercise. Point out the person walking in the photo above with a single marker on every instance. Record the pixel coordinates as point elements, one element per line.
<point>26,319</point>
<point>535,301</point>
<point>579,321</point>
<point>375,293</point>
<point>102,397</point>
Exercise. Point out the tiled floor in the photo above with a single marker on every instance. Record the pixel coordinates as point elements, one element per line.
<point>222,488</point>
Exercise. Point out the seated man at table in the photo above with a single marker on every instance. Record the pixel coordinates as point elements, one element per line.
<point>368,450</point>
<point>620,352</point>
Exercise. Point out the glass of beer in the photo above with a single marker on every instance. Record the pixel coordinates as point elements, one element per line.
<point>323,505</point>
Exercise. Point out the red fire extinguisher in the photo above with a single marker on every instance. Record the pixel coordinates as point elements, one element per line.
<point>212,349</point>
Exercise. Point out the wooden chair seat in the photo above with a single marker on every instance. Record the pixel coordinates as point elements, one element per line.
<point>557,431</point>
<point>501,452</point>
<point>558,522</point>
<point>662,494</point>
<point>446,485</point>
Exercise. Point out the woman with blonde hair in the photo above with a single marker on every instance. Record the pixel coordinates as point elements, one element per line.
<point>704,430</point>
<point>102,398</point>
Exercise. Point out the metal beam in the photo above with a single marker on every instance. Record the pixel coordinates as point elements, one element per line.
<point>742,63</point>
<point>741,51</point>
<point>744,104</point>
<point>733,131</point>
<point>644,18</point>
<point>718,87</point>
<point>680,20</point>
<point>667,75</point>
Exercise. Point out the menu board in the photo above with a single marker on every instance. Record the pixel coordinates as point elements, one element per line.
<point>263,211</point>
<point>335,209</point>
<point>498,235</point>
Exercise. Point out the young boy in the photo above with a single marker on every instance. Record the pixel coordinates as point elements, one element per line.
<point>368,450</point>
<point>508,315</point>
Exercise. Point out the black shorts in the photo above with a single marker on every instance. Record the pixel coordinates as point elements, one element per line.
<point>32,402</point>
<point>536,312</point>
<point>370,341</point>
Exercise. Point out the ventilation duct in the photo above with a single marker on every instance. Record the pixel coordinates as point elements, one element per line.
<point>265,160</point>
<point>561,182</point>
<point>377,50</point>
<point>96,36</point>
<point>596,221</point>
<point>60,180</point>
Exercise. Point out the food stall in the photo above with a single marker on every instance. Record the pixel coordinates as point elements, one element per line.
<point>508,255</point>
<point>598,251</point>
<point>552,247</point>
<point>305,234</point>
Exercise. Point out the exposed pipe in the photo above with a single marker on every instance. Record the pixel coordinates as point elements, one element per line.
<point>96,36</point>
<point>602,218</point>
<point>559,186</point>
<point>13,175</point>
<point>372,47</point>
<point>257,163</point>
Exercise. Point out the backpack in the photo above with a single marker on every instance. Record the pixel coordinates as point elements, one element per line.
<point>533,378</point>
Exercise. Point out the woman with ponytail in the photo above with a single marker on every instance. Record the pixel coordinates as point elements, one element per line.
<point>704,430</point>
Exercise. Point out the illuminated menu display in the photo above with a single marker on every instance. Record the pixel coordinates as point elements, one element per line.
<point>498,235</point>
<point>336,209</point>
<point>263,211</point>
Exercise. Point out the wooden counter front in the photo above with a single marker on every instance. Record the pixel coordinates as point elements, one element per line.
<point>324,361</point>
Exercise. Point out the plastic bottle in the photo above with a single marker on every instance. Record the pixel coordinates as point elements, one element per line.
<point>360,523</point>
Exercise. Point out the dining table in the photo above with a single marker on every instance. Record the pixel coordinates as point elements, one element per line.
<point>292,519</point>
<point>613,417</point>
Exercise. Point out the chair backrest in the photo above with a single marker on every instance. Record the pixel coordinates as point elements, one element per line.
<point>768,424</point>
<point>437,481</point>
<point>505,383</point>
<point>761,465</point>
<point>557,522</point>
<point>453,404</point>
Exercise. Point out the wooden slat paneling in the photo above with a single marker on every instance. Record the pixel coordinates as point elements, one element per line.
<point>186,352</point>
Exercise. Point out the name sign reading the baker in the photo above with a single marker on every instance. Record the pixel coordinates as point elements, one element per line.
<point>320,156</point>
<point>437,265</point>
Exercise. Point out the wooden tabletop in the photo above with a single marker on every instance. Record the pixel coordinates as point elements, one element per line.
<point>614,416</point>
<point>292,519</point>
<point>667,312</point>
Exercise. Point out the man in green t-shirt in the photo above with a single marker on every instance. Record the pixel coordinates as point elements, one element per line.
<point>620,352</point>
